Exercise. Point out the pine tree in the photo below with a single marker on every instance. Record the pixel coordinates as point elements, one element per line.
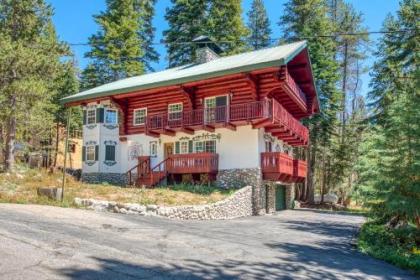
<point>309,19</point>
<point>29,60</point>
<point>147,33</point>
<point>117,47</point>
<point>187,20</point>
<point>350,54</point>
<point>225,25</point>
<point>259,26</point>
<point>395,101</point>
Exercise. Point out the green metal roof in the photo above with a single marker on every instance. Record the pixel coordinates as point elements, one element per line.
<point>234,64</point>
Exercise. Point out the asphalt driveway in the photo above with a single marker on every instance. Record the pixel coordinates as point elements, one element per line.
<point>41,242</point>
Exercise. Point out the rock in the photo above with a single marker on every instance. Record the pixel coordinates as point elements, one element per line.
<point>151,207</point>
<point>51,193</point>
<point>123,211</point>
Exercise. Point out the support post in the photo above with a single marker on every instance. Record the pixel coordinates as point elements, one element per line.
<point>66,146</point>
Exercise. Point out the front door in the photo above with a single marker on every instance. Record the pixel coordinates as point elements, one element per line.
<point>168,149</point>
<point>216,109</point>
<point>280,198</point>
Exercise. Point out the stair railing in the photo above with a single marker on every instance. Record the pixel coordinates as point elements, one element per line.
<point>142,167</point>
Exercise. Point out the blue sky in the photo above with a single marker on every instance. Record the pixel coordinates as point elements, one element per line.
<point>74,22</point>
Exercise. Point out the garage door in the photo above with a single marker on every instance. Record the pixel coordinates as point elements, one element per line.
<point>280,198</point>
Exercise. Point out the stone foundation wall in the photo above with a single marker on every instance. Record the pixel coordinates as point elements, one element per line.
<point>238,178</point>
<point>290,196</point>
<point>111,178</point>
<point>238,205</point>
<point>271,198</point>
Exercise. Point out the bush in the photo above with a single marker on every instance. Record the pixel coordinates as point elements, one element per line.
<point>397,246</point>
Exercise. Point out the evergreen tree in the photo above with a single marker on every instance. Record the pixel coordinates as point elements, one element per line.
<point>309,19</point>
<point>350,54</point>
<point>225,25</point>
<point>117,51</point>
<point>259,26</point>
<point>396,103</point>
<point>147,33</point>
<point>29,60</point>
<point>187,20</point>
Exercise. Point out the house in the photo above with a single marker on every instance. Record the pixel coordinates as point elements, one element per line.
<point>74,150</point>
<point>232,120</point>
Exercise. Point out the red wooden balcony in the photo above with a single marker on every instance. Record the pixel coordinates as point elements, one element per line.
<point>269,114</point>
<point>299,170</point>
<point>282,167</point>
<point>193,163</point>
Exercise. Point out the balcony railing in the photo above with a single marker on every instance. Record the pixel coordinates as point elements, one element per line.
<point>238,113</point>
<point>277,163</point>
<point>294,86</point>
<point>193,163</point>
<point>210,116</point>
<point>299,168</point>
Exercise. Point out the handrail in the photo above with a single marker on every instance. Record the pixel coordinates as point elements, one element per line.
<point>129,172</point>
<point>160,164</point>
<point>194,163</point>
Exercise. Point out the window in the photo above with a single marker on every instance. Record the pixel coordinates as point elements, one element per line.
<point>175,111</point>
<point>153,149</point>
<point>183,147</point>
<point>210,146</point>
<point>111,116</point>
<point>216,109</point>
<point>91,116</point>
<point>109,153</point>
<point>199,147</point>
<point>139,116</point>
<point>205,146</point>
<point>90,153</point>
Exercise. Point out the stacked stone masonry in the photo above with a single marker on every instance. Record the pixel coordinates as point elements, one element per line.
<point>236,206</point>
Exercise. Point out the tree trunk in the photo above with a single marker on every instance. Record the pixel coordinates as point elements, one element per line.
<point>344,96</point>
<point>324,177</point>
<point>57,139</point>
<point>10,143</point>
<point>310,188</point>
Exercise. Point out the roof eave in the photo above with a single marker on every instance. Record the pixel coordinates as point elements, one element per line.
<point>178,81</point>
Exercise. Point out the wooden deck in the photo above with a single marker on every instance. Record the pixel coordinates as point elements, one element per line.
<point>194,163</point>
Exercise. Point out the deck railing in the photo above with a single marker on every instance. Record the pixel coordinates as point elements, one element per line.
<point>256,110</point>
<point>210,116</point>
<point>294,86</point>
<point>276,162</point>
<point>193,163</point>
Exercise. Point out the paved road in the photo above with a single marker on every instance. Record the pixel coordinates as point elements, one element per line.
<point>41,242</point>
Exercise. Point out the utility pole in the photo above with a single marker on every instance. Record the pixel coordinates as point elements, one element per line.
<point>66,146</point>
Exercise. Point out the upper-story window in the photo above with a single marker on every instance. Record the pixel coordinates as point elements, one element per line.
<point>175,111</point>
<point>91,116</point>
<point>139,116</point>
<point>111,116</point>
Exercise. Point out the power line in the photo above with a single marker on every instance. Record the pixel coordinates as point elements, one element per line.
<point>163,42</point>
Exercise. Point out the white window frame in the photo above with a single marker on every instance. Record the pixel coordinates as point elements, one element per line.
<point>93,151</point>
<point>185,144</point>
<point>211,116</point>
<point>153,148</point>
<point>173,112</point>
<point>116,114</point>
<point>134,116</point>
<point>94,116</point>
<point>201,144</point>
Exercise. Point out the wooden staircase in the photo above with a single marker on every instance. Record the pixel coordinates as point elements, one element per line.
<point>146,176</point>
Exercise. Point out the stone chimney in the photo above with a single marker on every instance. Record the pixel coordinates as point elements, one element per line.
<point>207,50</point>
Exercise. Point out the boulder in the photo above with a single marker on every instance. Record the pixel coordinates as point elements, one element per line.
<point>51,193</point>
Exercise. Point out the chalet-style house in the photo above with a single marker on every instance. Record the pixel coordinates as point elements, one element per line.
<point>232,120</point>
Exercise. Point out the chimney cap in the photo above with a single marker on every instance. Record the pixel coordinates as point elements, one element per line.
<point>205,41</point>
